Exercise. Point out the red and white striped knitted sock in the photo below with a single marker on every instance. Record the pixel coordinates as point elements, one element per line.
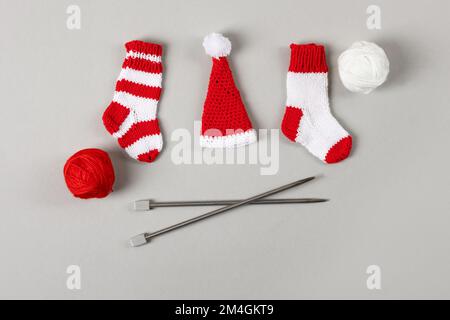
<point>131,116</point>
<point>307,119</point>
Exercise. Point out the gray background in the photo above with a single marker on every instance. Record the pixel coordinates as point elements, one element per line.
<point>390,202</point>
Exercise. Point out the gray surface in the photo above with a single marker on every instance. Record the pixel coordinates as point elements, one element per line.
<point>390,203</point>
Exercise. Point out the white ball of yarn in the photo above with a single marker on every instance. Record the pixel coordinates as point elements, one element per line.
<point>363,67</point>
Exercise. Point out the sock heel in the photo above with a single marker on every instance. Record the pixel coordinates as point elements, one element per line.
<point>291,122</point>
<point>114,116</point>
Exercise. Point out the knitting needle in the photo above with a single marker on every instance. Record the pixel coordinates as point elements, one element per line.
<point>144,238</point>
<point>147,205</point>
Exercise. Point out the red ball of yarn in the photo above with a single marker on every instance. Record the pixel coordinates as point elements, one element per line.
<point>89,173</point>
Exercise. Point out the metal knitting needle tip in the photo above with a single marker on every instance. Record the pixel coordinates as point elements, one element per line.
<point>144,238</point>
<point>139,240</point>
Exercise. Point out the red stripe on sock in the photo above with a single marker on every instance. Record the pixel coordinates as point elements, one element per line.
<point>149,156</point>
<point>144,47</point>
<point>308,58</point>
<point>142,65</point>
<point>139,90</point>
<point>291,122</point>
<point>138,131</point>
<point>114,116</point>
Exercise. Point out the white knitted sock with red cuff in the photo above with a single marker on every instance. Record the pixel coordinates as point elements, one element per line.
<point>131,116</point>
<point>307,119</point>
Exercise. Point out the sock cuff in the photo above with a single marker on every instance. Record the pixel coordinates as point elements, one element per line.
<point>308,58</point>
<point>144,47</point>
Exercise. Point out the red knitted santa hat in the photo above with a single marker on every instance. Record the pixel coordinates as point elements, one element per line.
<point>225,122</point>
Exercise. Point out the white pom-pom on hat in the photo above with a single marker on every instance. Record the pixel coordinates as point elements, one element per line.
<point>216,45</point>
<point>363,67</point>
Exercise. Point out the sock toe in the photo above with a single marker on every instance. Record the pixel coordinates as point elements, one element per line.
<point>339,151</point>
<point>149,156</point>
